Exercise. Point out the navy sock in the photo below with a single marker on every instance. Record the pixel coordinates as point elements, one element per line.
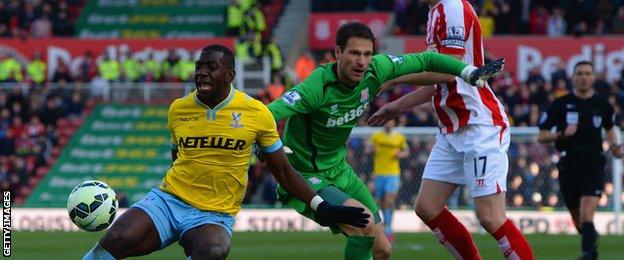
<point>589,239</point>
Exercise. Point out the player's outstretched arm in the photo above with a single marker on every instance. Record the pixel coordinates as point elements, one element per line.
<point>294,184</point>
<point>395,108</point>
<point>417,79</point>
<point>395,66</point>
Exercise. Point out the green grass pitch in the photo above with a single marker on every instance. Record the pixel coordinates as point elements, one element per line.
<point>306,245</point>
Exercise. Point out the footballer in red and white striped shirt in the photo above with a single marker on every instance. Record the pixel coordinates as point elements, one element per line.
<point>453,28</point>
<point>471,148</point>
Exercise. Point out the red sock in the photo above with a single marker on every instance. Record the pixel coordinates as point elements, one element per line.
<point>512,242</point>
<point>454,236</point>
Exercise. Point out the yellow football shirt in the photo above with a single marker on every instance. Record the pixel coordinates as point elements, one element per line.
<point>385,160</point>
<point>215,148</point>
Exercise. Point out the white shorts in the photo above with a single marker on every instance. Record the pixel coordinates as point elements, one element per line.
<point>475,155</point>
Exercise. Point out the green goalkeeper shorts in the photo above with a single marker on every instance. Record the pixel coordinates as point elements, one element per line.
<point>347,184</point>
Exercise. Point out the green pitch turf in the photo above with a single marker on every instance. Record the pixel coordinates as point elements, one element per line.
<point>301,246</point>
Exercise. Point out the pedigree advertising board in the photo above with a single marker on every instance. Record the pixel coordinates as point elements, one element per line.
<point>524,54</point>
<point>72,51</point>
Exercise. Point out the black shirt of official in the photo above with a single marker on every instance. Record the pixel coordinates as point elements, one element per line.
<point>590,115</point>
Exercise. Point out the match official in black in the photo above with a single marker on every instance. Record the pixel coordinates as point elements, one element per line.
<point>579,118</point>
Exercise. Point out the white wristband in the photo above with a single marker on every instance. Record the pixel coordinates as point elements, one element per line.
<point>316,201</point>
<point>466,72</point>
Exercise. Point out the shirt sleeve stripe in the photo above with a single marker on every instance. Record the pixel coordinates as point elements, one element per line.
<point>272,148</point>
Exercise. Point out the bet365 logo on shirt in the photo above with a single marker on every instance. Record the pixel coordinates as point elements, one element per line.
<point>347,117</point>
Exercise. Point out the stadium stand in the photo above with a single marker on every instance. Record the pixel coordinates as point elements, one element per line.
<point>35,126</point>
<point>38,19</point>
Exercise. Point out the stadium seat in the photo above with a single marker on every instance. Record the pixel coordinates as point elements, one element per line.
<point>76,122</point>
<point>62,141</point>
<point>62,123</point>
<point>56,151</point>
<point>42,171</point>
<point>66,131</point>
<point>50,161</point>
<point>23,191</point>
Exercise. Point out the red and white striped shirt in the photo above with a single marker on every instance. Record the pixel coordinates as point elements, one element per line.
<point>453,28</point>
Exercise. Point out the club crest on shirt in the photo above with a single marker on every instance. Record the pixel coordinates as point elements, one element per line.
<point>364,95</point>
<point>597,121</point>
<point>235,123</point>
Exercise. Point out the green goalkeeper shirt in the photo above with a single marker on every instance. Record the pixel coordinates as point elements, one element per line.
<point>322,111</point>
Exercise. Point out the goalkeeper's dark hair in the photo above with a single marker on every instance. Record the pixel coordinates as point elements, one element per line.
<point>353,29</point>
<point>228,56</point>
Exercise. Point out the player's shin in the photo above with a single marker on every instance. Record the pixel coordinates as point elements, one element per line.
<point>453,236</point>
<point>512,243</point>
<point>98,253</point>
<point>387,214</point>
<point>359,247</point>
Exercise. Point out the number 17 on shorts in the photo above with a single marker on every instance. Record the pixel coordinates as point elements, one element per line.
<point>486,174</point>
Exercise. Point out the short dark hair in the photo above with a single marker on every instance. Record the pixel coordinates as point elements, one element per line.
<point>353,29</point>
<point>228,56</point>
<point>580,63</point>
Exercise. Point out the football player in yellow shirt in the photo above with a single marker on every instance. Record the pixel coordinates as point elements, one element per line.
<point>213,130</point>
<point>388,146</point>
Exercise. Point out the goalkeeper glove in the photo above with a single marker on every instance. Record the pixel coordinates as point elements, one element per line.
<point>479,76</point>
<point>327,213</point>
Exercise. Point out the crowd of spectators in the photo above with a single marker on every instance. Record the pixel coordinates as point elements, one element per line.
<point>251,22</point>
<point>38,19</point>
<point>540,17</point>
<point>127,67</point>
<point>31,133</point>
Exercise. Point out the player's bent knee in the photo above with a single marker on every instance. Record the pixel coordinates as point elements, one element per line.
<point>490,222</point>
<point>383,252</point>
<point>355,231</point>
<point>115,241</point>
<point>427,212</point>
<point>369,230</point>
<point>213,252</point>
<point>365,231</point>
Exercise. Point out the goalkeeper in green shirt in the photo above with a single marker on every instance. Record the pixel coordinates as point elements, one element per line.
<point>326,106</point>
